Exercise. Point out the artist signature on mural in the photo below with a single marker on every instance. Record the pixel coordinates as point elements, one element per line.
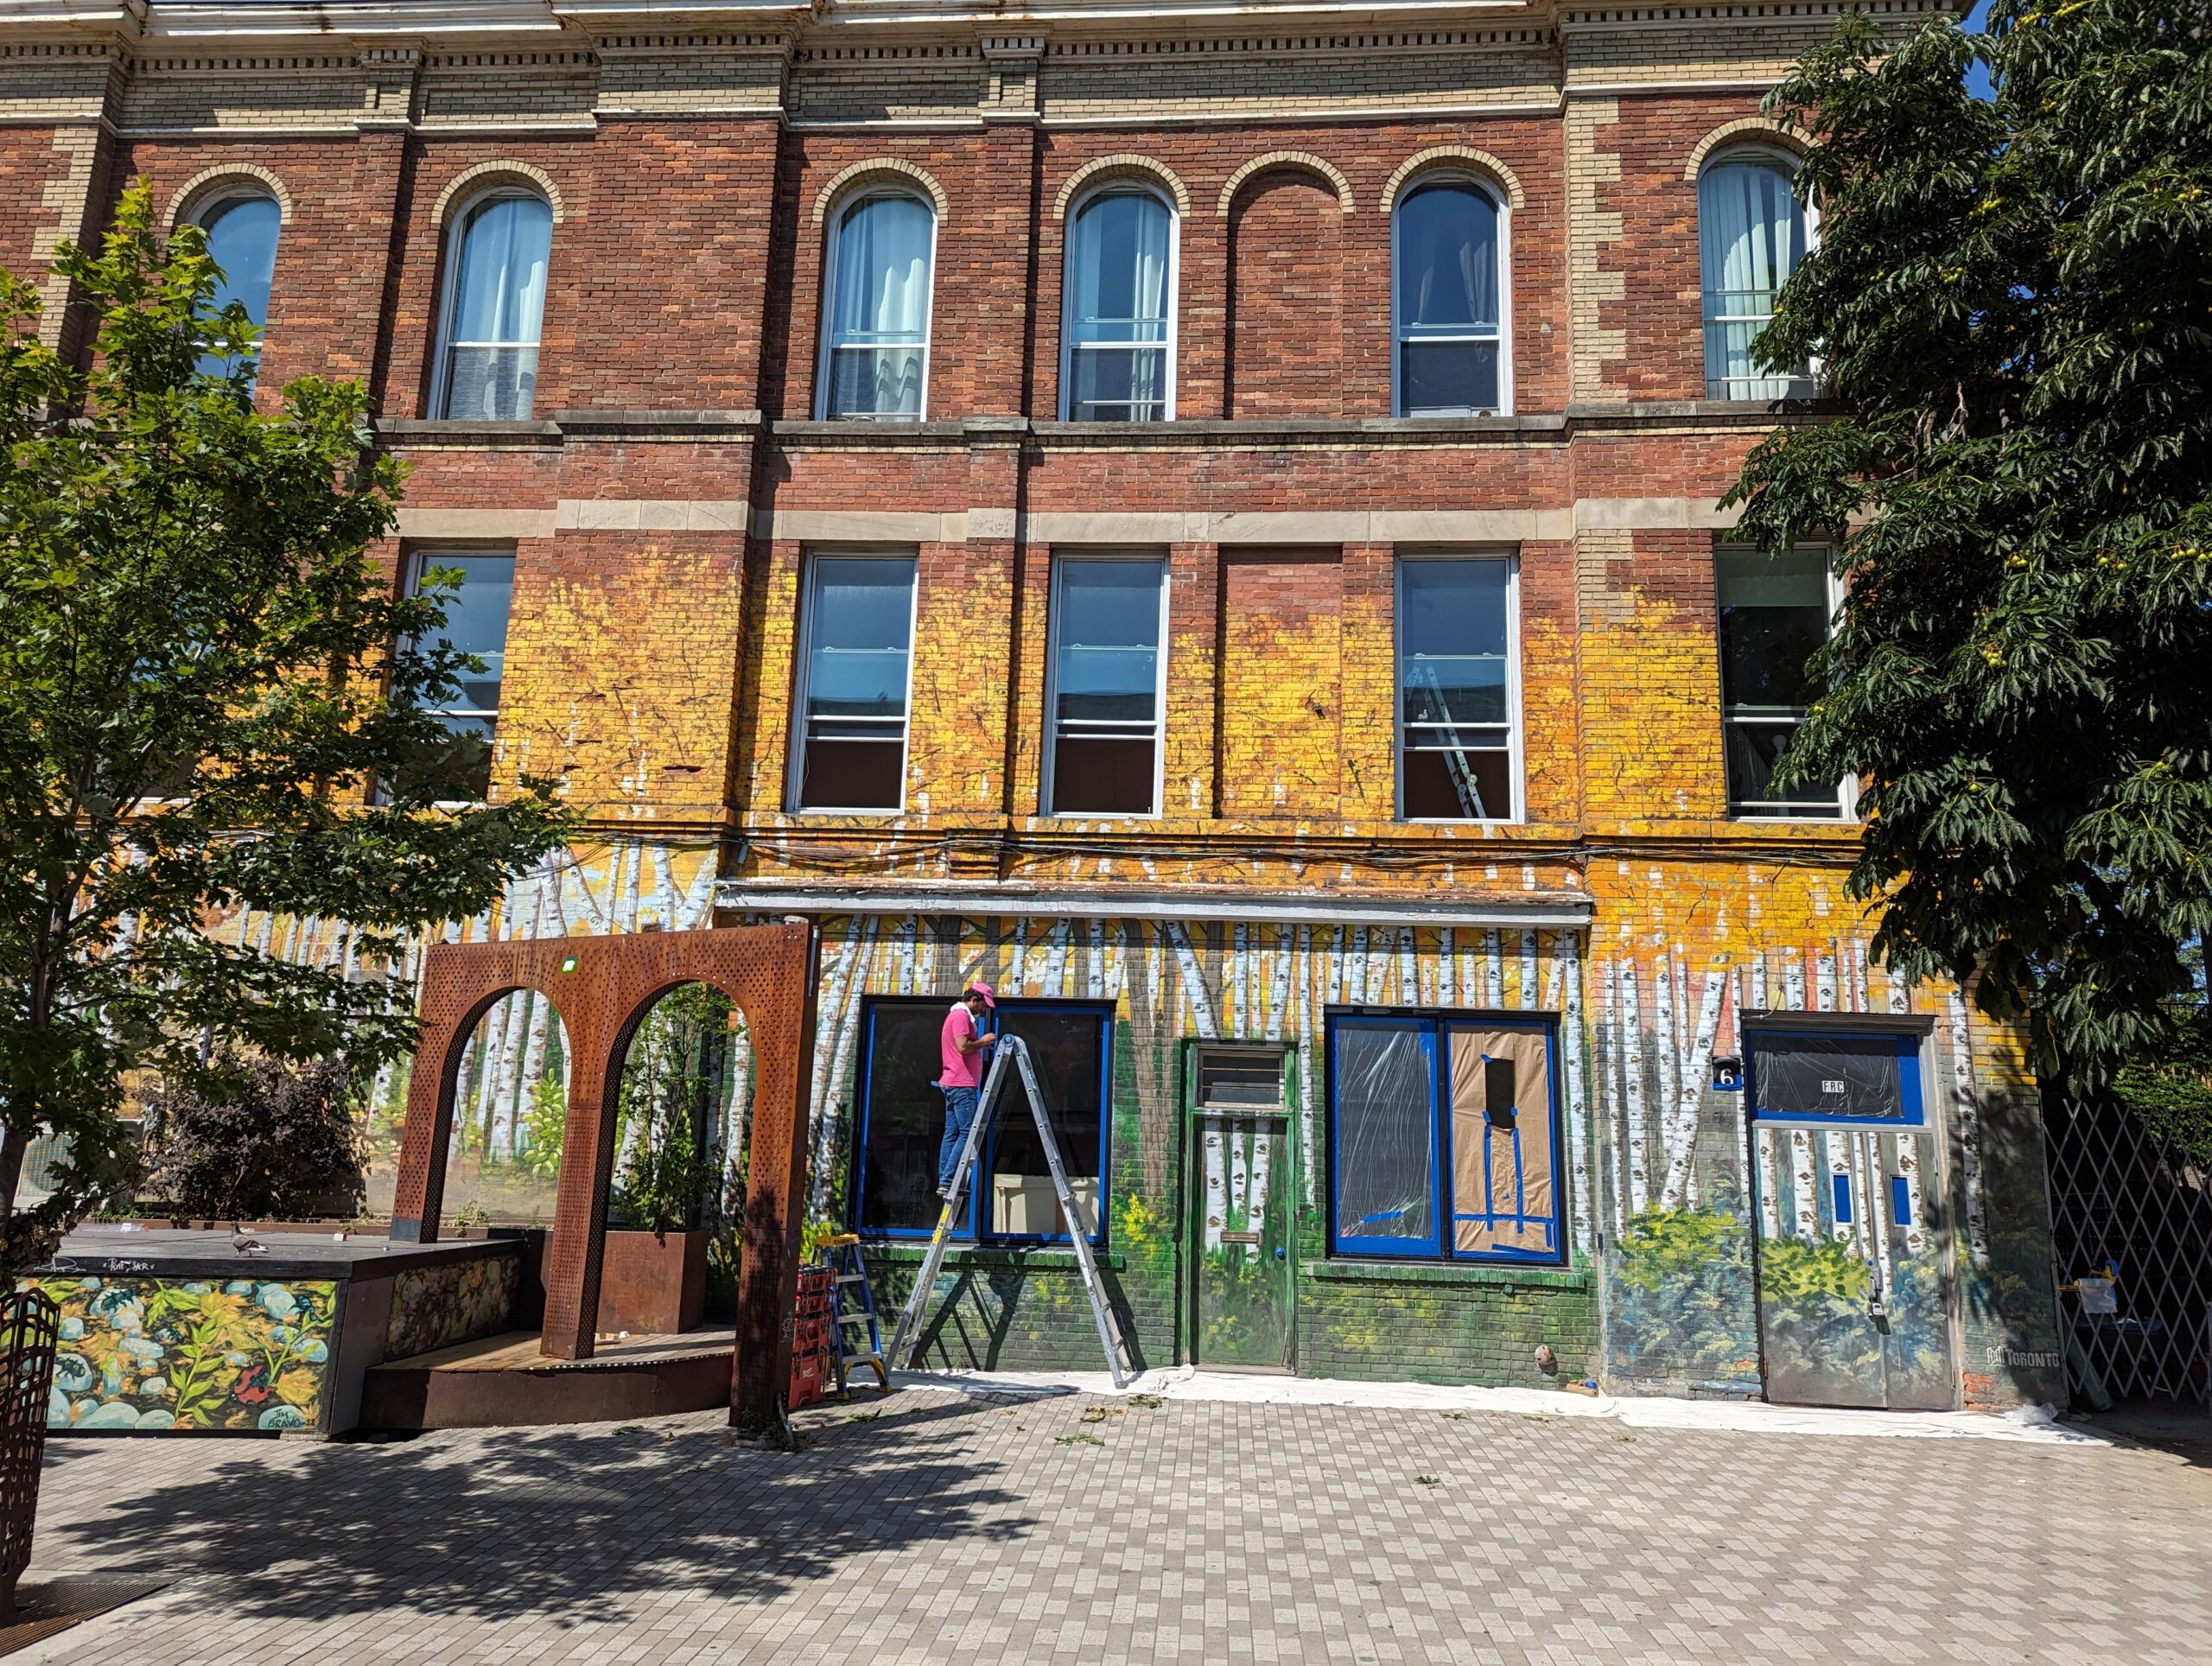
<point>103,1264</point>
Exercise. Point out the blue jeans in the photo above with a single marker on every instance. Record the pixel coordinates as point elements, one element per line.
<point>959,1116</point>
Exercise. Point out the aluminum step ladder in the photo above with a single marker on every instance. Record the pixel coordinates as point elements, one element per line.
<point>1010,1057</point>
<point>852,1304</point>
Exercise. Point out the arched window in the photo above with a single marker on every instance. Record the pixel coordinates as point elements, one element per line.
<point>495,301</point>
<point>876,348</point>
<point>1752,233</point>
<point>1117,354</point>
<point>241,228</point>
<point>1449,301</point>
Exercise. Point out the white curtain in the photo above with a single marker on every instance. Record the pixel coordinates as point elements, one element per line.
<point>500,296</point>
<point>1447,262</point>
<point>498,303</point>
<point>1751,237</point>
<point>1120,301</point>
<point>881,326</point>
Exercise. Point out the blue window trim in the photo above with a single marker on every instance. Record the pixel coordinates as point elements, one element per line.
<point>1906,1044</point>
<point>1433,1027</point>
<point>969,1233</point>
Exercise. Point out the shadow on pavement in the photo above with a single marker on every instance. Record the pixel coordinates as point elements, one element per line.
<point>566,1524</point>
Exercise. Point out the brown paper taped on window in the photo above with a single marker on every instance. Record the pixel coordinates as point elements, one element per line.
<point>1515,1185</point>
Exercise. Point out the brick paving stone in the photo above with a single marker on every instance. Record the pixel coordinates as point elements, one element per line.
<point>953,1528</point>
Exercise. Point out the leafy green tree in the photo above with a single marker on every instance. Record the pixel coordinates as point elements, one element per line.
<point>202,673</point>
<point>2011,303</point>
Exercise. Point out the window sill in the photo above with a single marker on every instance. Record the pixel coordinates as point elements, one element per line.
<point>1044,1258</point>
<point>1489,1273</point>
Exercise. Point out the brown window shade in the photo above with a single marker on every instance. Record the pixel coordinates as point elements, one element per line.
<point>1504,1167</point>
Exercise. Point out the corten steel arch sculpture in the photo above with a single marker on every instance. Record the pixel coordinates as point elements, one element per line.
<point>602,988</point>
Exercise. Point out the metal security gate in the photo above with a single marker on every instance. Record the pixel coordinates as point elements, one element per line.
<point>2131,1220</point>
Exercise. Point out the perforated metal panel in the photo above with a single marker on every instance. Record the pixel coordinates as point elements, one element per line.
<point>602,988</point>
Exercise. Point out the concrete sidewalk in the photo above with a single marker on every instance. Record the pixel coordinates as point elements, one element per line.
<point>934,1524</point>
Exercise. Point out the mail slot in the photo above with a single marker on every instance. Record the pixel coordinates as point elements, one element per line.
<point>1240,1237</point>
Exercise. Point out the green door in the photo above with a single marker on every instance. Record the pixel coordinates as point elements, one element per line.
<point>1242,1306</point>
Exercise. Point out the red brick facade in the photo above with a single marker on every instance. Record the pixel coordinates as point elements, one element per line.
<point>673,478</point>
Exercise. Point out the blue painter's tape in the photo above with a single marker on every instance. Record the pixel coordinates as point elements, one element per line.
<point>1842,1185</point>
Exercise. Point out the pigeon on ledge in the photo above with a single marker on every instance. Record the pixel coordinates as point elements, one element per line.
<point>246,1244</point>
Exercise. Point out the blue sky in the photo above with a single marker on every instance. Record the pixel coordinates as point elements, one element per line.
<point>1978,77</point>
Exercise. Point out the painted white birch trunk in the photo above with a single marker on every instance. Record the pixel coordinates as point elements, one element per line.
<point>1310,973</point>
<point>1762,1141</point>
<point>1216,1184</point>
<point>1835,1161</point>
<point>1528,971</point>
<point>1409,971</point>
<point>1802,1180</point>
<point>1824,974</point>
<point>1057,944</point>
<point>1094,982</point>
<point>1258,1175</point>
<point>1278,992</point>
<point>1566,963</point>
<point>1639,1156</point>
<point>1194,982</point>
<point>1682,1140</point>
<point>1967,1115</point>
<point>1793,980</point>
<point>1915,1228</point>
<point>1493,971</point>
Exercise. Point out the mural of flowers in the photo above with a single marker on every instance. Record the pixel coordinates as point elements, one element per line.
<point>149,1354</point>
<point>436,1306</point>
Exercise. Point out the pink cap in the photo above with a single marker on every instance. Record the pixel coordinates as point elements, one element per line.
<point>984,990</point>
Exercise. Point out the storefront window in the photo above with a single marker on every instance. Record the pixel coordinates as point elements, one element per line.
<point>1011,1197</point>
<point>1443,1141</point>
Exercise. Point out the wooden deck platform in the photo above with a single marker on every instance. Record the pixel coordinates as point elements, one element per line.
<point>503,1382</point>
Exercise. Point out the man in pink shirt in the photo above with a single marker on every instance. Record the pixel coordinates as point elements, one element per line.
<point>963,1046</point>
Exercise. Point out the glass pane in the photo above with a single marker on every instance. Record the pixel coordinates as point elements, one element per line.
<point>1102,776</point>
<point>465,773</point>
<point>880,312</point>
<point>1461,784</point>
<point>860,626</point>
<point>1068,1049</point>
<point>905,1119</point>
<point>1119,288</point>
<point>852,775</point>
<point>242,241</point>
<point>1829,1076</point>
<point>1385,1148</point>
<point>491,384</point>
<point>1106,639</point>
<point>1774,614</point>
<point>499,294</point>
<point>1118,384</point>
<point>1447,261</point>
<point>1751,237</point>
<point>1448,376</point>
<point>876,382</point>
<point>1453,696</point>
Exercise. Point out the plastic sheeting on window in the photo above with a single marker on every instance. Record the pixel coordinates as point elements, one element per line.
<point>1860,1077</point>
<point>1386,1159</point>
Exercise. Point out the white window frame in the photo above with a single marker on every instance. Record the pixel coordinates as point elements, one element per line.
<point>1476,182</point>
<point>1787,162</point>
<point>1123,185</point>
<point>420,559</point>
<point>1847,789</point>
<point>1516,723</point>
<point>1159,558</point>
<point>829,257</point>
<point>456,232</point>
<point>795,768</point>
